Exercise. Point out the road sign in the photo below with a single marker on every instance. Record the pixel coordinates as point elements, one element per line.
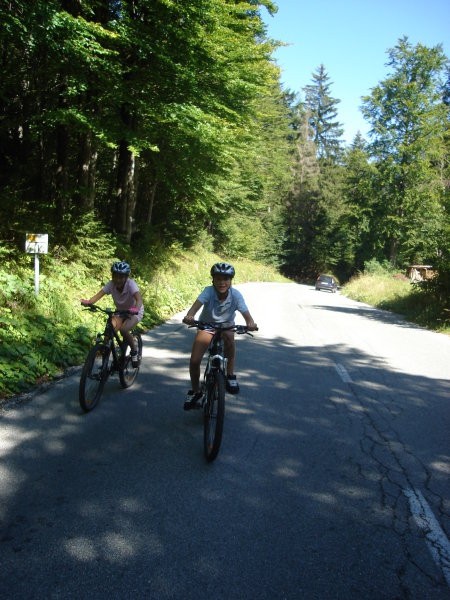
<point>36,243</point>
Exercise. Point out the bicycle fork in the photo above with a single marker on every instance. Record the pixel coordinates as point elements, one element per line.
<point>218,363</point>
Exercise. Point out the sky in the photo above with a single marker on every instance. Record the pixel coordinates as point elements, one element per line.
<point>351,39</point>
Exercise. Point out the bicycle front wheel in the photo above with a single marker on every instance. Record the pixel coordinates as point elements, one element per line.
<point>93,376</point>
<point>213,416</point>
<point>128,373</point>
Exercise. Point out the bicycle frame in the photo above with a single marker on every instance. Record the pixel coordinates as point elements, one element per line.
<point>110,335</point>
<point>216,357</point>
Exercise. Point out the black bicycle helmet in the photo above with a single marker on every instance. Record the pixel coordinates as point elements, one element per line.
<point>222,269</point>
<point>121,267</point>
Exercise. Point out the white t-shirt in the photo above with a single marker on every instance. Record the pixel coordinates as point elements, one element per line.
<point>221,311</point>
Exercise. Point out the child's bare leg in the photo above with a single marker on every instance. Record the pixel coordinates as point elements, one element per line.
<point>125,330</point>
<point>199,348</point>
<point>230,351</point>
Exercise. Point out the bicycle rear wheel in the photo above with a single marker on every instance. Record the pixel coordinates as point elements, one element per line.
<point>213,416</point>
<point>128,373</point>
<point>93,376</point>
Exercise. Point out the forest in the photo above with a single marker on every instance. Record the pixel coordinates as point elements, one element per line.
<point>163,122</point>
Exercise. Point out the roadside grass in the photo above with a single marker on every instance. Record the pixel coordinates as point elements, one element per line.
<point>394,292</point>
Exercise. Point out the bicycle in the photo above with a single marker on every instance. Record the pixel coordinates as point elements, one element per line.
<point>108,355</point>
<point>213,386</point>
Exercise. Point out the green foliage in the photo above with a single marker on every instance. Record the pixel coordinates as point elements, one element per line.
<point>90,245</point>
<point>144,115</point>
<point>374,267</point>
<point>241,236</point>
<point>408,120</point>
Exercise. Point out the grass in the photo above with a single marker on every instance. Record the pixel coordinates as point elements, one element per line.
<point>395,293</point>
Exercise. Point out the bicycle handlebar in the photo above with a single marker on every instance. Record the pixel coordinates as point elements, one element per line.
<point>239,329</point>
<point>107,311</point>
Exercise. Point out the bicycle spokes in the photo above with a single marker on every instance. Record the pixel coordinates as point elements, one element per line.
<point>93,376</point>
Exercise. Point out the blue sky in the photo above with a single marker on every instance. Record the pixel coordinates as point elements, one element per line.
<point>351,38</point>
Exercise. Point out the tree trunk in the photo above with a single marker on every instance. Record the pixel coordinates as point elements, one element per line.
<point>125,191</point>
<point>393,251</point>
<point>151,202</point>
<point>61,176</point>
<point>86,174</point>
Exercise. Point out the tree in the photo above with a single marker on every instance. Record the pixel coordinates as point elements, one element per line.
<point>303,210</point>
<point>315,205</point>
<point>322,114</point>
<point>358,221</point>
<point>408,123</point>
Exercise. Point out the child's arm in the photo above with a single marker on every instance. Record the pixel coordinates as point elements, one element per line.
<point>251,325</point>
<point>95,298</point>
<point>138,299</point>
<point>190,315</point>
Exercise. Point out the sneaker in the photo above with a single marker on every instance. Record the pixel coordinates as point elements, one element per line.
<point>232,385</point>
<point>135,359</point>
<point>193,400</point>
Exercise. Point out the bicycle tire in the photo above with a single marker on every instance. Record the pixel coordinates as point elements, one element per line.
<point>94,374</point>
<point>213,415</point>
<point>128,373</point>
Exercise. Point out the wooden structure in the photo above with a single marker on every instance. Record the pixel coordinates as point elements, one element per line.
<point>420,273</point>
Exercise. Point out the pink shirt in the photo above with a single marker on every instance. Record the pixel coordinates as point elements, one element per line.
<point>124,299</point>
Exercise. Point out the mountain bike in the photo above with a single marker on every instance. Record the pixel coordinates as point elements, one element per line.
<point>213,386</point>
<point>109,355</point>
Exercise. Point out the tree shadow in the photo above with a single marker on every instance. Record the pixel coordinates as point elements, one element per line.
<point>309,480</point>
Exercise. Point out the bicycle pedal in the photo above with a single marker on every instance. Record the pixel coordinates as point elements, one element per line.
<point>189,405</point>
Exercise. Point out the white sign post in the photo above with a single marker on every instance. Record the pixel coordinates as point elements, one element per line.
<point>36,243</point>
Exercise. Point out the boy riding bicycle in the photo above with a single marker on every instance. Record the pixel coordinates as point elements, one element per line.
<point>220,303</point>
<point>126,295</point>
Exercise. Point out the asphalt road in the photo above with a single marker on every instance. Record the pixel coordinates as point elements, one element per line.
<point>332,480</point>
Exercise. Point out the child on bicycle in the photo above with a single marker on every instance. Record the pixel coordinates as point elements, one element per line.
<point>220,303</point>
<point>126,295</point>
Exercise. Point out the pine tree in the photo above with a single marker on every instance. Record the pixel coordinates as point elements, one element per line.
<point>322,108</point>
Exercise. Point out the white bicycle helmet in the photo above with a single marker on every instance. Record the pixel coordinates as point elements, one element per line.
<point>121,267</point>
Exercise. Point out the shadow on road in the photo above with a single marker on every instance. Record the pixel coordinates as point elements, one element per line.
<point>299,503</point>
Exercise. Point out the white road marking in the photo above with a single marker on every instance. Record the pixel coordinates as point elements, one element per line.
<point>343,373</point>
<point>435,537</point>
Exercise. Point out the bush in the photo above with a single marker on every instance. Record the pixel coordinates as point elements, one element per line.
<point>374,267</point>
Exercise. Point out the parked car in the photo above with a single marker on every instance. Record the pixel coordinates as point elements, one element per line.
<point>326,282</point>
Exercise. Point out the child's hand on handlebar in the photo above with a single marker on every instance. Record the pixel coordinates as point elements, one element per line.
<point>133,310</point>
<point>85,302</point>
<point>189,320</point>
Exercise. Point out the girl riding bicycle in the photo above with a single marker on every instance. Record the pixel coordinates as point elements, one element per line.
<point>220,303</point>
<point>126,295</point>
